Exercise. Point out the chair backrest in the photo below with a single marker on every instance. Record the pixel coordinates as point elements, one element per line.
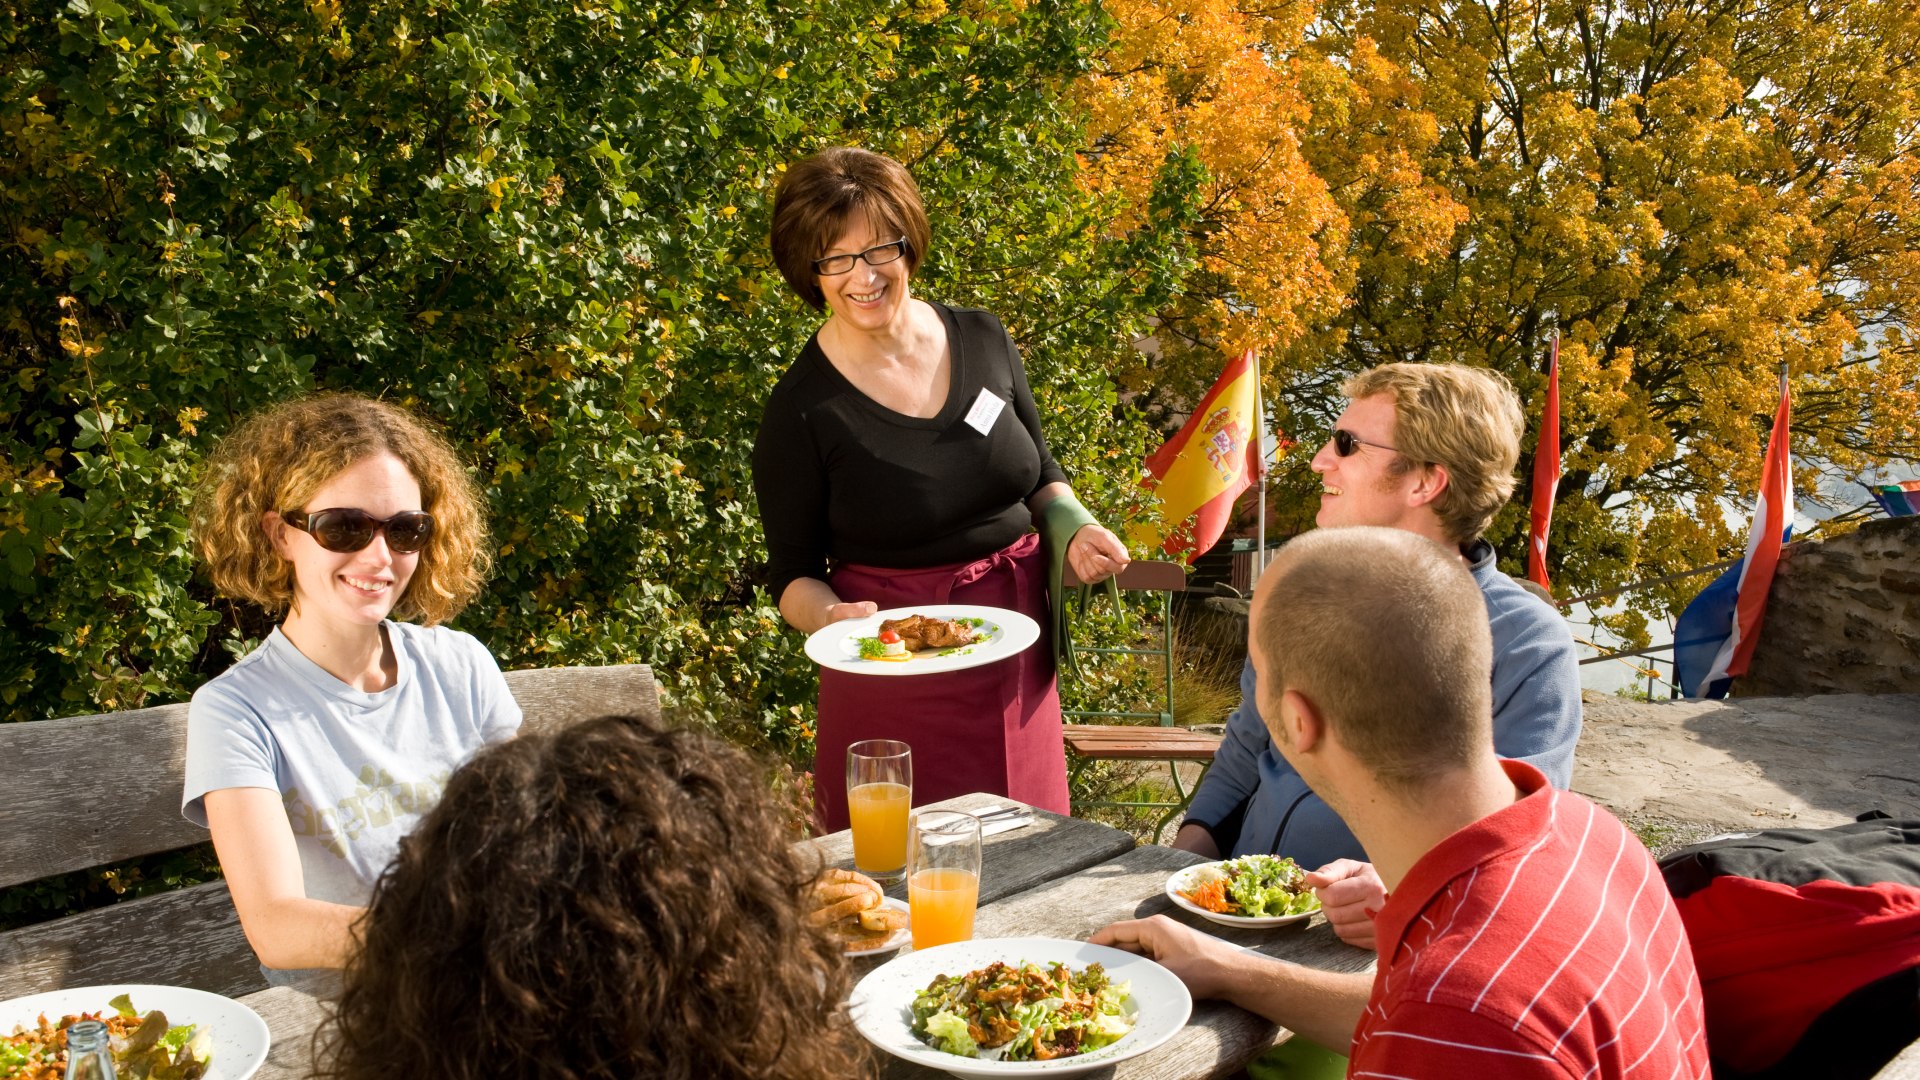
<point>1142,575</point>
<point>106,788</point>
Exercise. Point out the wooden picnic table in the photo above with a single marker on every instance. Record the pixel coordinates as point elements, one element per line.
<point>1059,877</point>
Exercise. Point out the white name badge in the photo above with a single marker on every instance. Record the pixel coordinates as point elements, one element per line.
<point>986,409</point>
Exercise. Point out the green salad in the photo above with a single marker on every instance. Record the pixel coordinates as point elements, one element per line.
<point>1024,1012</point>
<point>143,1044</point>
<point>1253,887</point>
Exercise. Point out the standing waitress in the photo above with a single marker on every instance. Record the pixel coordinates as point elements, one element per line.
<point>900,462</point>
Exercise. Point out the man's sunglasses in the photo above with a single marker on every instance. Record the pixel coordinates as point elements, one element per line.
<point>877,255</point>
<point>347,531</point>
<point>1346,442</point>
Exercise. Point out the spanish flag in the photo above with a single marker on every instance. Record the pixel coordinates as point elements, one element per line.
<point>1201,470</point>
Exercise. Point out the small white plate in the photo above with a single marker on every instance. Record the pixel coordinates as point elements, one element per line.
<point>1185,880</point>
<point>900,937</point>
<point>240,1037</point>
<point>882,1003</point>
<point>1002,633</point>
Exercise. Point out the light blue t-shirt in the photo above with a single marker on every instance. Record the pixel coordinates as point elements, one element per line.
<point>354,770</point>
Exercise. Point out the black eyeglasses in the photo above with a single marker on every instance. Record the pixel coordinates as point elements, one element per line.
<point>347,531</point>
<point>1346,442</point>
<point>877,255</point>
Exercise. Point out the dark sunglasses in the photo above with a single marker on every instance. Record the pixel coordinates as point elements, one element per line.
<point>347,531</point>
<point>1346,442</point>
<point>877,255</point>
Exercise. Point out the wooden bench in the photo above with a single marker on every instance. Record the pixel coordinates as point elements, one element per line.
<point>101,789</point>
<point>1143,742</point>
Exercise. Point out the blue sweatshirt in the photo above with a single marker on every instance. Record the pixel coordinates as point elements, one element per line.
<point>1252,801</point>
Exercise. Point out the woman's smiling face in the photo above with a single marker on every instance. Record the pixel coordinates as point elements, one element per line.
<point>357,588</point>
<point>867,297</point>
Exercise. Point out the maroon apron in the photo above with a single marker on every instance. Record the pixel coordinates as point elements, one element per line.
<point>991,728</point>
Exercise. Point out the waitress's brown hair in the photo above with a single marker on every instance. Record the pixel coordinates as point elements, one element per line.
<point>618,899</point>
<point>820,194</point>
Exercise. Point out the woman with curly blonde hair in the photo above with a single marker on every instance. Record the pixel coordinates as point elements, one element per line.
<point>313,755</point>
<point>618,899</point>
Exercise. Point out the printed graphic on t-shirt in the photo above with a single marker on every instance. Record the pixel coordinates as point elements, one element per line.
<point>378,803</point>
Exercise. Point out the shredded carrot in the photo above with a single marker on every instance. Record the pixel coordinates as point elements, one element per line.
<point>1212,896</point>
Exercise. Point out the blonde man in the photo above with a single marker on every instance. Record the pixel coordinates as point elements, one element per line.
<point>1429,449</point>
<point>1527,933</point>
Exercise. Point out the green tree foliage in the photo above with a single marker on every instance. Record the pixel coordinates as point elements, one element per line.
<point>1693,193</point>
<point>542,225</point>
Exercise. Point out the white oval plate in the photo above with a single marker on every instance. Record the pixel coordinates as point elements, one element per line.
<point>240,1038</point>
<point>900,937</point>
<point>882,1003</point>
<point>1007,633</point>
<point>1194,875</point>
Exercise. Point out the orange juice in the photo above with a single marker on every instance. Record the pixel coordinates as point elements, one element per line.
<point>941,903</point>
<point>878,814</point>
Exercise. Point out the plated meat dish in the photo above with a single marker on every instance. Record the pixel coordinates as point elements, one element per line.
<point>918,632</point>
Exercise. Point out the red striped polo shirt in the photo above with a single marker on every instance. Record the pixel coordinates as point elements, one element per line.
<point>1537,942</point>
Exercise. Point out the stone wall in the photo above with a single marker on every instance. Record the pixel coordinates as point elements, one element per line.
<point>1843,617</point>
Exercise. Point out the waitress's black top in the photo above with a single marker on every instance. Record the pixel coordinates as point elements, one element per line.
<point>841,477</point>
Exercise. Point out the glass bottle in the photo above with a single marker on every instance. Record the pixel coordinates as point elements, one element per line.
<point>88,1056</point>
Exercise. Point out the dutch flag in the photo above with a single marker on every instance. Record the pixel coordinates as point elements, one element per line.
<point>1714,638</point>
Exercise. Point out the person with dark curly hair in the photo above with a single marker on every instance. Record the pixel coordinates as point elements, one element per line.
<point>313,755</point>
<point>618,899</point>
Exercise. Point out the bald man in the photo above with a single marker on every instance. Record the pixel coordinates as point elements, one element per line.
<point>1526,932</point>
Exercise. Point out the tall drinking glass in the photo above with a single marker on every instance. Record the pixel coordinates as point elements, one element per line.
<point>879,790</point>
<point>943,886</point>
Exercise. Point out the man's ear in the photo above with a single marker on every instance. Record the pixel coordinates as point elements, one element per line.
<point>1304,722</point>
<point>1431,480</point>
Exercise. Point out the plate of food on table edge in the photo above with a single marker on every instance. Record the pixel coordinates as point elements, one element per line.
<point>162,1031</point>
<point>922,640</point>
<point>1251,891</point>
<point>854,911</point>
<point>1022,1006</point>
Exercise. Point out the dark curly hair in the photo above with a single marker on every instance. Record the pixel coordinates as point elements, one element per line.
<point>615,900</point>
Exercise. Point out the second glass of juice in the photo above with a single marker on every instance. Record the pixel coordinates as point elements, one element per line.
<point>943,886</point>
<point>879,790</point>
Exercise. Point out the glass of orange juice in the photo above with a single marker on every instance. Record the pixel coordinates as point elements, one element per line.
<point>943,883</point>
<point>879,790</point>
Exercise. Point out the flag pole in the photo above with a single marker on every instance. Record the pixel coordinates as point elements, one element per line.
<point>1260,459</point>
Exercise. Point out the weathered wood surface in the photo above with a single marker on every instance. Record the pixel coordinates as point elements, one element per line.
<point>1219,1039</point>
<point>1015,861</point>
<point>292,1019</point>
<point>92,790</point>
<point>187,937</point>
<point>1904,1067</point>
<point>551,698</point>
<point>107,787</point>
<point>1140,742</point>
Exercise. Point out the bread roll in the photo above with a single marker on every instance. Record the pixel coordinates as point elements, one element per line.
<point>842,894</point>
<point>882,920</point>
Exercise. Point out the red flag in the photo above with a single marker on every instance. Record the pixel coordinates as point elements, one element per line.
<point>1772,522</point>
<point>1201,470</point>
<point>1546,473</point>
